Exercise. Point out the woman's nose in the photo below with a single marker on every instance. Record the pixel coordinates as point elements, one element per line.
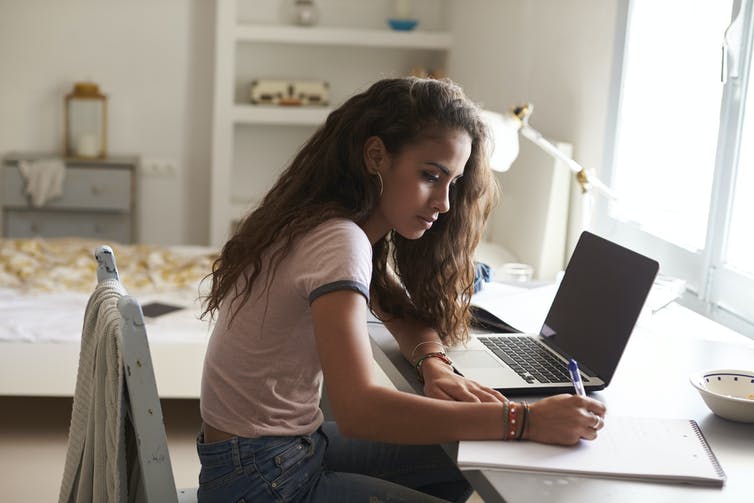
<point>442,201</point>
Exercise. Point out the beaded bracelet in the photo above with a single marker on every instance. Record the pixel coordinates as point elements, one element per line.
<point>515,416</point>
<point>513,421</point>
<point>438,355</point>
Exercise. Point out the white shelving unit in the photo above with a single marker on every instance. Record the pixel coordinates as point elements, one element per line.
<point>365,37</point>
<point>260,114</point>
<point>251,144</point>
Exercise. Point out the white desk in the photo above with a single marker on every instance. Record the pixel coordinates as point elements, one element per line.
<point>651,380</point>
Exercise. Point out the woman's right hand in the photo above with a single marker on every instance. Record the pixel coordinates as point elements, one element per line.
<point>564,419</point>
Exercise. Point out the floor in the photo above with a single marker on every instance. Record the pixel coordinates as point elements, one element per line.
<point>33,434</point>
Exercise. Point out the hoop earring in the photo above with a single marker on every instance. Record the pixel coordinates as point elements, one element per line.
<point>379,178</point>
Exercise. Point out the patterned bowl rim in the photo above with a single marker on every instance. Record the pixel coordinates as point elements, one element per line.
<point>697,377</point>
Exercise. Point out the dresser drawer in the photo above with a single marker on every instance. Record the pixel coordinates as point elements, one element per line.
<point>84,188</point>
<point>107,226</point>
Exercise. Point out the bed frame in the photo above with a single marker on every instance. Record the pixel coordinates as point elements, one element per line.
<point>49,369</point>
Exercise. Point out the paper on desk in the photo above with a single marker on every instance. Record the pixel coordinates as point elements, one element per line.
<point>522,308</point>
<point>667,450</point>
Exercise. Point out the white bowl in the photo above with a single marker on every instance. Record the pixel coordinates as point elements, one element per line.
<point>728,393</point>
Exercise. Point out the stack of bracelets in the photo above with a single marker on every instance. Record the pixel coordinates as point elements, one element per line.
<point>514,414</point>
<point>439,355</point>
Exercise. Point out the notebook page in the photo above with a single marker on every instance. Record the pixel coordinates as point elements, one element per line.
<point>522,308</point>
<point>643,448</point>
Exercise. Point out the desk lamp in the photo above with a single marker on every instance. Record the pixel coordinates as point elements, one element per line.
<point>504,129</point>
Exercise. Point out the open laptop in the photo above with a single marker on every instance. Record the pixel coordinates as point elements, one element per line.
<point>590,320</point>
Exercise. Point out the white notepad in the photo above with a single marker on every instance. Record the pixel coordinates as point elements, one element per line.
<point>649,449</point>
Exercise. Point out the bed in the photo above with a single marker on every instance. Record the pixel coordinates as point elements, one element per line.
<point>44,288</point>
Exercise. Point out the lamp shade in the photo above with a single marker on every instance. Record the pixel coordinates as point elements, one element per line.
<point>503,132</point>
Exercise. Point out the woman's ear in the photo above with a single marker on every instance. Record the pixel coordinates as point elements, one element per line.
<point>375,154</point>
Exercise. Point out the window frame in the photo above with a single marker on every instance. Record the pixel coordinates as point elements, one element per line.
<point>714,289</point>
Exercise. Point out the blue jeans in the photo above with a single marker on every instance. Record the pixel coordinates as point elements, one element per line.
<point>326,467</point>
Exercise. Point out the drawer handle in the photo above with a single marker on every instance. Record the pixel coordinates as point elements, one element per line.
<point>35,227</point>
<point>99,228</point>
<point>98,189</point>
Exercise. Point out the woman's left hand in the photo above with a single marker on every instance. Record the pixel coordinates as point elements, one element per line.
<point>441,382</point>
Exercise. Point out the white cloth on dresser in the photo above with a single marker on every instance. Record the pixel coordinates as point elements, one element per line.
<point>96,464</point>
<point>44,179</point>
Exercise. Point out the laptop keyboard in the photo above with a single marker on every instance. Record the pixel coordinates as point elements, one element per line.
<point>528,359</point>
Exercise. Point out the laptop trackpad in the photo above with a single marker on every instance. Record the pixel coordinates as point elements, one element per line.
<point>475,359</point>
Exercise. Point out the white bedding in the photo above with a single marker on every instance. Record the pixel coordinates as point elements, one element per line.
<point>59,317</point>
<point>45,285</point>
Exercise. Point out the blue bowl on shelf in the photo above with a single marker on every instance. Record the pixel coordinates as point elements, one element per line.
<point>402,24</point>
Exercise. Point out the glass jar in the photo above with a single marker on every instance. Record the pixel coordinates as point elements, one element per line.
<point>305,13</point>
<point>85,121</point>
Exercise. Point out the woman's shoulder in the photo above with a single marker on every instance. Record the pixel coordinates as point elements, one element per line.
<point>336,248</point>
<point>333,238</point>
<point>340,229</point>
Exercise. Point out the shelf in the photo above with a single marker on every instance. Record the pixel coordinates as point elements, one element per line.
<point>248,139</point>
<point>344,36</point>
<point>291,116</point>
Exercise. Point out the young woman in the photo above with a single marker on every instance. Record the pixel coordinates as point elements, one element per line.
<point>381,210</point>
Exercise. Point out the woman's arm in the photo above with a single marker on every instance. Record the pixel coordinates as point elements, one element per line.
<point>416,339</point>
<point>366,410</point>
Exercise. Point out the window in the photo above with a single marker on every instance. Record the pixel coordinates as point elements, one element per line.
<point>740,252</point>
<point>682,157</point>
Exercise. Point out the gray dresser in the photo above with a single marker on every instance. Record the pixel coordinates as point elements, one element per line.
<point>98,201</point>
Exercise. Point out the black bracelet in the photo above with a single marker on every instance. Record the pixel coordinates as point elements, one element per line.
<point>524,420</point>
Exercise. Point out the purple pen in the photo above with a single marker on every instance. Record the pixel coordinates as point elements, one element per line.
<point>573,368</point>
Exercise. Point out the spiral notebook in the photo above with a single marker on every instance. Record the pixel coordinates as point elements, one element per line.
<point>631,448</point>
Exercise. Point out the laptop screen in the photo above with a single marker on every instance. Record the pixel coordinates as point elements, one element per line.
<point>598,302</point>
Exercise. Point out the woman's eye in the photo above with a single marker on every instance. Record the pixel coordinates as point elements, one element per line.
<point>430,177</point>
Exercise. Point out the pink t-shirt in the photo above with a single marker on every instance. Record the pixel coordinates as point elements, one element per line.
<point>262,375</point>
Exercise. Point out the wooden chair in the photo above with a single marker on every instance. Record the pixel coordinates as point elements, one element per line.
<point>152,480</point>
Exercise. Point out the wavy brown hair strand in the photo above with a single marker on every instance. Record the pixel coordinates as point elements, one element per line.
<point>328,179</point>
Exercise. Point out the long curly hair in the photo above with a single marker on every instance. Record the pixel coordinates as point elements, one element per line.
<point>433,275</point>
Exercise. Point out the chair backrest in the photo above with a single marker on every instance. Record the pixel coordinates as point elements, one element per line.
<point>106,268</point>
<point>143,404</point>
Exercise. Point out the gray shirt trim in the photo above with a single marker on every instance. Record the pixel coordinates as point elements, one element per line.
<point>339,285</point>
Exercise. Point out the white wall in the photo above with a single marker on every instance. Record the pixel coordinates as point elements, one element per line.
<point>154,61</point>
<point>556,54</point>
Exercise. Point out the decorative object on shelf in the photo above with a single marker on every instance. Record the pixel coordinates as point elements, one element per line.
<point>85,121</point>
<point>402,24</point>
<point>305,13</point>
<point>428,73</point>
<point>290,92</point>
<point>402,19</point>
